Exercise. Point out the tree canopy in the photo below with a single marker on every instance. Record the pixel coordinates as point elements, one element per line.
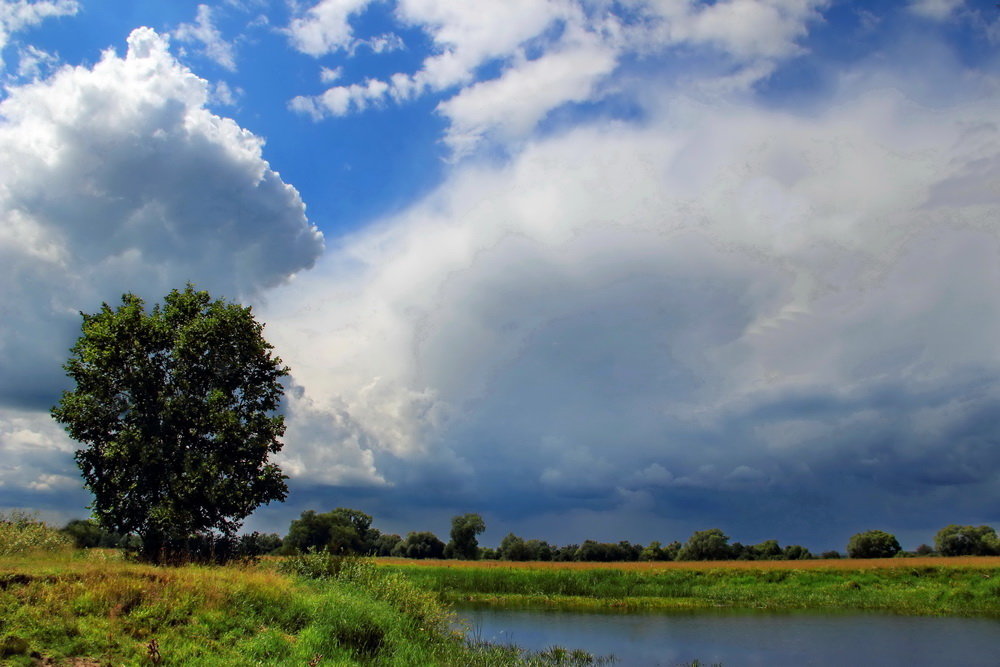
<point>873,544</point>
<point>956,540</point>
<point>464,529</point>
<point>339,531</point>
<point>176,410</point>
<point>711,544</point>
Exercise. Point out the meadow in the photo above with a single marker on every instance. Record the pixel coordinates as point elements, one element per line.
<point>84,608</point>
<point>966,586</point>
<point>89,608</point>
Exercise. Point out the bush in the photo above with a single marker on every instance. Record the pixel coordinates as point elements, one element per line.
<point>873,544</point>
<point>315,564</point>
<point>21,532</point>
<point>87,534</point>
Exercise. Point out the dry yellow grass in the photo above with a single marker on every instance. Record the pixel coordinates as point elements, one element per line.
<point>830,564</point>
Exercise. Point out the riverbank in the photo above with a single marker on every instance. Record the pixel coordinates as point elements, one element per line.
<point>92,608</point>
<point>929,586</point>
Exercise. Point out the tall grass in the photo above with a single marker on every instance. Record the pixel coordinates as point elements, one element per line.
<point>21,533</point>
<point>923,590</point>
<point>93,606</point>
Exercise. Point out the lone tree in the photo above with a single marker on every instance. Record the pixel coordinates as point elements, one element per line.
<point>463,544</point>
<point>711,544</point>
<point>967,541</point>
<point>175,408</point>
<point>873,544</point>
<point>340,531</point>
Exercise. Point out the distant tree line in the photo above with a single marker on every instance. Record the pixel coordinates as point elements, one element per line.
<point>350,532</point>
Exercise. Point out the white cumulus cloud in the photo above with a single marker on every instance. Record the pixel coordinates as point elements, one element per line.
<point>118,178</point>
<point>325,27</point>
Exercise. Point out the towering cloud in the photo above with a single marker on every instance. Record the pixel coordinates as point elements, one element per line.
<point>718,304</point>
<point>117,178</point>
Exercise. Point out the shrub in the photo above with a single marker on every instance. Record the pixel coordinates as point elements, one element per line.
<point>315,564</point>
<point>21,532</point>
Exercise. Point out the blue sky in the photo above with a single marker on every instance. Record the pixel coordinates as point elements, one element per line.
<point>594,269</point>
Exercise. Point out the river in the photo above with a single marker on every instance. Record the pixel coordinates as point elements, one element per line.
<point>738,638</point>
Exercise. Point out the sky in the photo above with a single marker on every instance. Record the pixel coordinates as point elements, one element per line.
<point>594,269</point>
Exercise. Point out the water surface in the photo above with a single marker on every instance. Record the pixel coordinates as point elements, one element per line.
<point>736,638</point>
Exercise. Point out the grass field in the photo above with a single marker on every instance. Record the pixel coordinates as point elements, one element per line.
<point>921,586</point>
<point>982,562</point>
<point>84,609</point>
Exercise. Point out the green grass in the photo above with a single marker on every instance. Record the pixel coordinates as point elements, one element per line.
<point>90,608</point>
<point>924,590</point>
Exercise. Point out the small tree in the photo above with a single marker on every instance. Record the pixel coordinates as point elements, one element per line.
<point>653,551</point>
<point>386,544</point>
<point>464,529</point>
<point>767,550</point>
<point>711,544</point>
<point>966,541</point>
<point>422,545</point>
<point>87,534</point>
<point>175,408</point>
<point>513,547</point>
<point>796,552</point>
<point>873,544</point>
<point>340,531</point>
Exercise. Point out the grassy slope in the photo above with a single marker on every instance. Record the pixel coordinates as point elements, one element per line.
<point>76,608</point>
<point>961,587</point>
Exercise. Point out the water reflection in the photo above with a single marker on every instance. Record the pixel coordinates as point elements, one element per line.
<point>736,638</point>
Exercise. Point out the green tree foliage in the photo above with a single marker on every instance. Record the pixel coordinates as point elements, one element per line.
<point>538,550</point>
<point>463,543</point>
<point>766,550</point>
<point>339,531</point>
<point>88,534</point>
<point>967,541</point>
<point>259,544</point>
<point>607,552</point>
<point>420,545</point>
<point>565,553</point>
<point>873,544</point>
<point>652,552</point>
<point>385,545</point>
<point>711,544</point>
<point>672,550</point>
<point>795,552</point>
<point>176,409</point>
<point>513,547</point>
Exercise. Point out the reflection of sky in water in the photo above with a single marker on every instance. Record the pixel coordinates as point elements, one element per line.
<point>747,638</point>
